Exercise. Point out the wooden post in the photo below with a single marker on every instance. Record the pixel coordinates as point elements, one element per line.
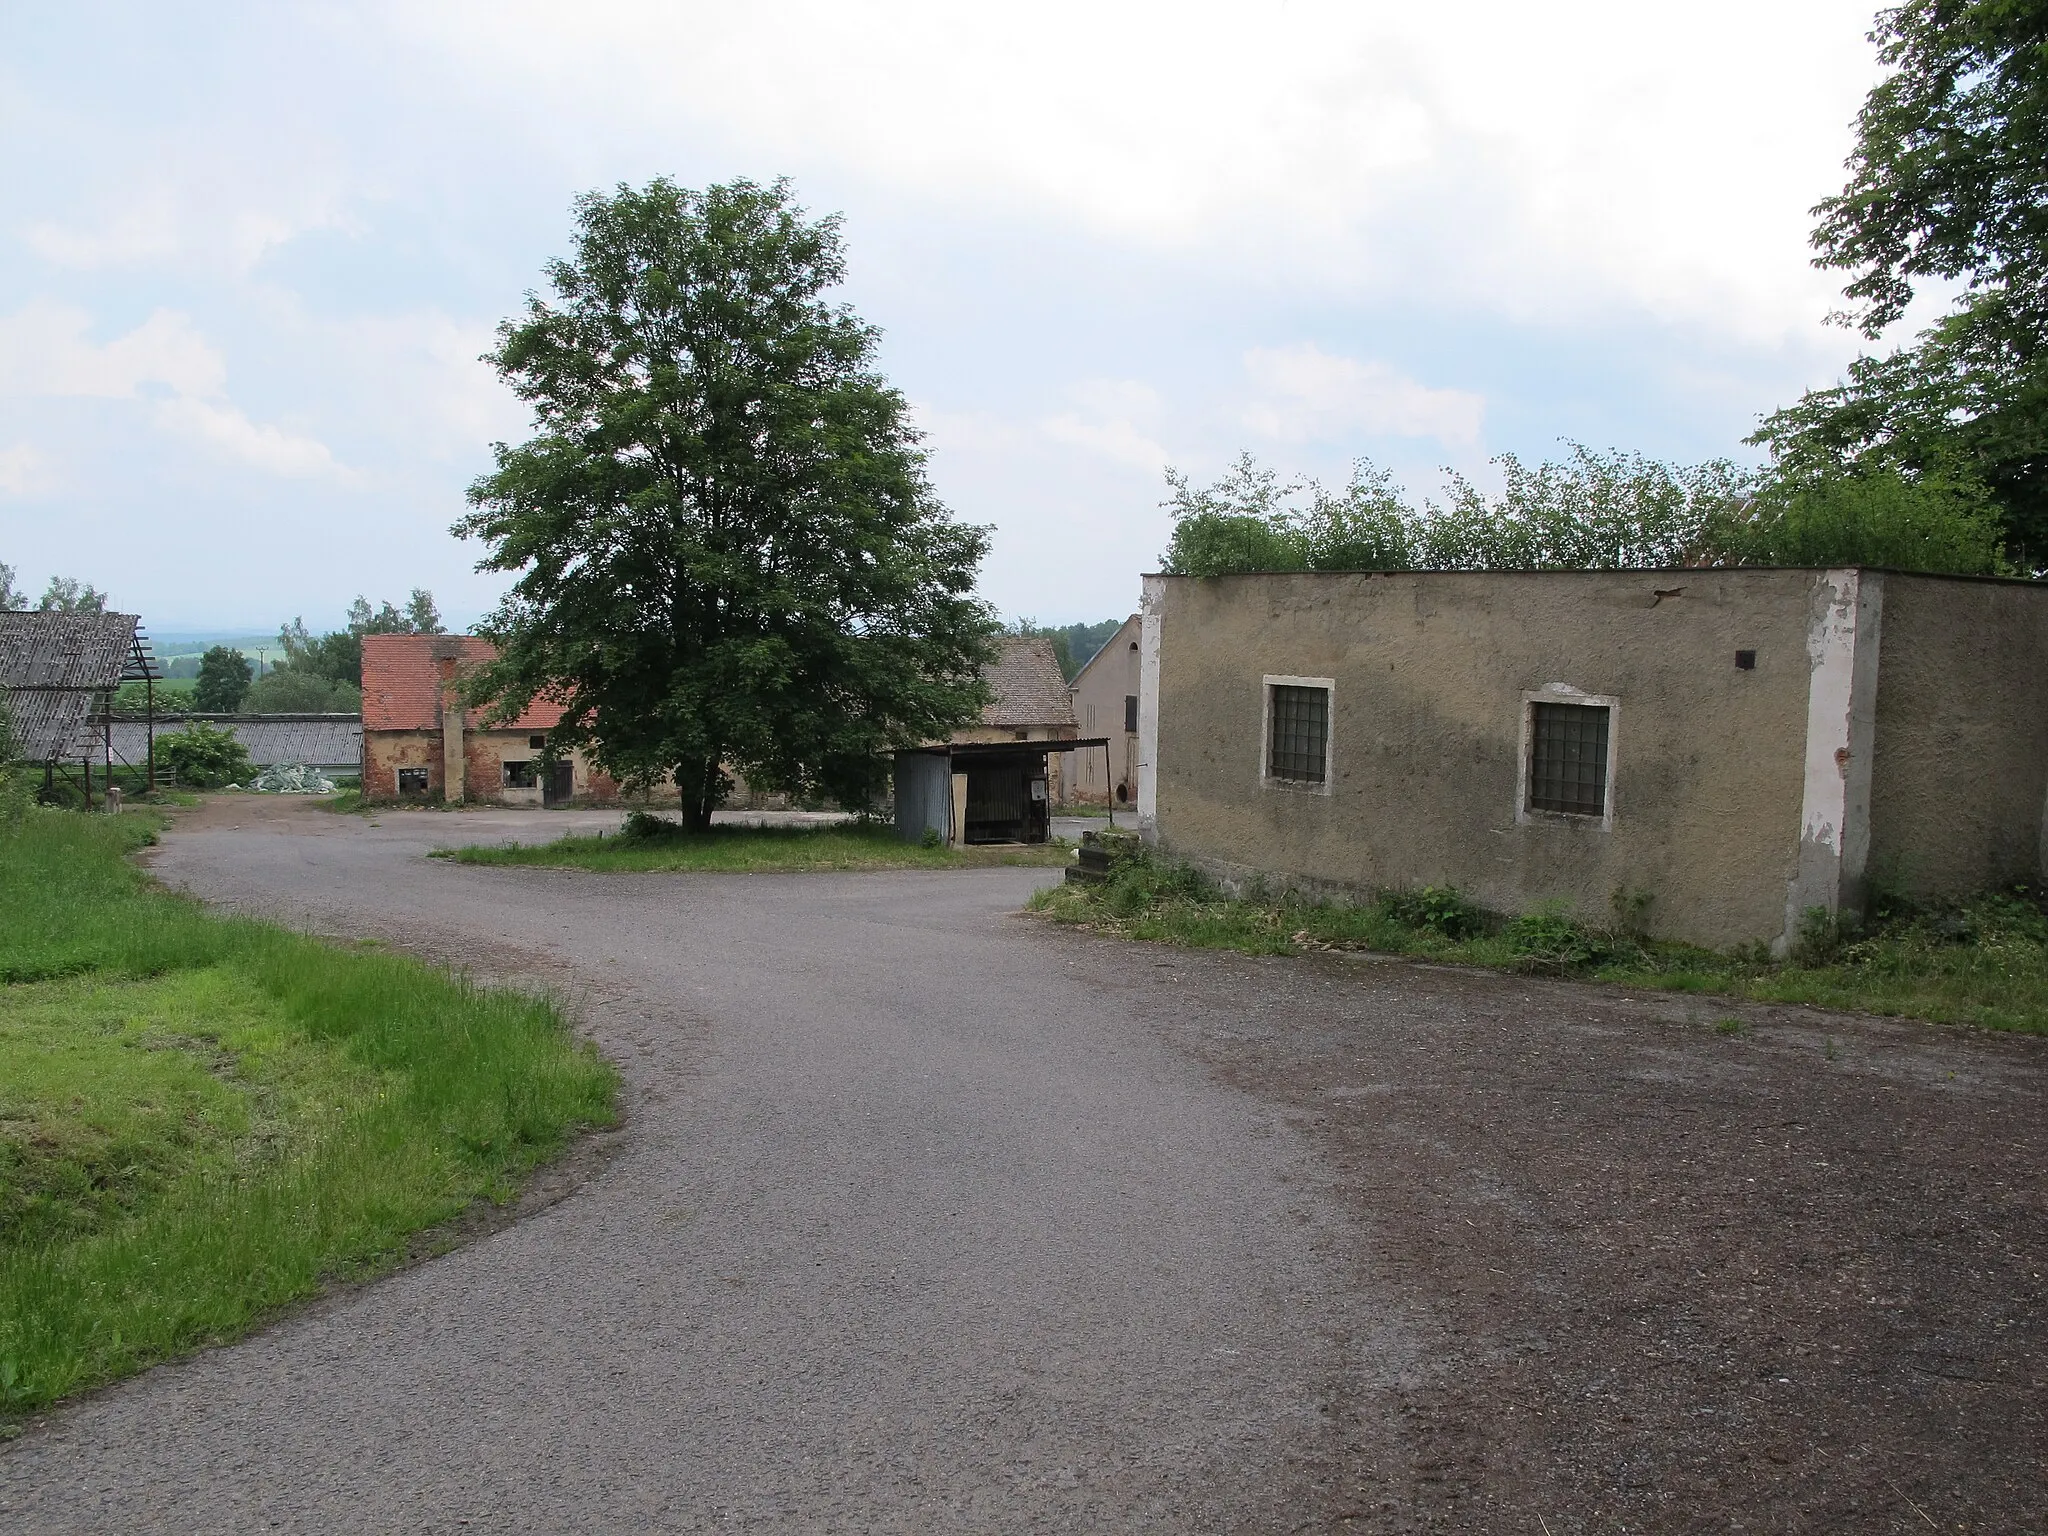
<point>1108,787</point>
<point>149,718</point>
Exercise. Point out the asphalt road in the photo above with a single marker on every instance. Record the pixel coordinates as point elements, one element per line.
<point>927,1217</point>
<point>914,1227</point>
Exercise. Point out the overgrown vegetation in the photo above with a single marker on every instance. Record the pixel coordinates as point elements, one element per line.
<point>654,843</point>
<point>203,1119</point>
<point>205,756</point>
<point>1983,961</point>
<point>1593,511</point>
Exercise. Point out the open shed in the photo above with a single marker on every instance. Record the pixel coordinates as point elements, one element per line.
<point>59,672</point>
<point>981,791</point>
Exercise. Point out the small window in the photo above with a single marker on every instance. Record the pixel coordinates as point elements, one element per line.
<point>1298,733</point>
<point>536,742</point>
<point>412,781</point>
<point>1131,713</point>
<point>520,776</point>
<point>1568,758</point>
<point>1023,735</point>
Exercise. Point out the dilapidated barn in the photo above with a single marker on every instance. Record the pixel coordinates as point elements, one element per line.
<point>59,672</point>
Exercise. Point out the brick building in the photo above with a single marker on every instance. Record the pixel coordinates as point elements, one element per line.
<point>419,742</point>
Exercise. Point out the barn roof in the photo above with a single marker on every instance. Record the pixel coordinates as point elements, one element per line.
<point>54,666</point>
<point>1027,685</point>
<point>406,677</point>
<point>319,741</point>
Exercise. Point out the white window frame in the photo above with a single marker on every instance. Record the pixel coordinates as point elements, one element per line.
<point>1297,786</point>
<point>1565,693</point>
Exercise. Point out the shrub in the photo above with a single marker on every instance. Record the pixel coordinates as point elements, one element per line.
<point>645,827</point>
<point>1442,909</point>
<point>1551,941</point>
<point>206,757</point>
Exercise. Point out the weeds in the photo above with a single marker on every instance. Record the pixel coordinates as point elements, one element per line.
<point>1983,961</point>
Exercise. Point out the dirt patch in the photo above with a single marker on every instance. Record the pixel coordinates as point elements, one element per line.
<point>1682,1277</point>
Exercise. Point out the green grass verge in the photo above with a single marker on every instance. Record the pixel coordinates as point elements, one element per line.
<point>203,1119</point>
<point>754,850</point>
<point>1982,961</point>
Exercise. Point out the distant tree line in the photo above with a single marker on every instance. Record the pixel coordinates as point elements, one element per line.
<point>1074,645</point>
<point>64,594</point>
<point>1933,457</point>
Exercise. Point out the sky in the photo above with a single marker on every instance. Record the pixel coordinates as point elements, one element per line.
<point>250,254</point>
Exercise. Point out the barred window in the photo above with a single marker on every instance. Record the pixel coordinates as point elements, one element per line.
<point>1298,733</point>
<point>520,775</point>
<point>1568,758</point>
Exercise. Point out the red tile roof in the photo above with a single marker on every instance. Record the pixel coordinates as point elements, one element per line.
<point>406,677</point>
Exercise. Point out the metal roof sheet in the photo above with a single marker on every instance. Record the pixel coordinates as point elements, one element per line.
<point>53,667</point>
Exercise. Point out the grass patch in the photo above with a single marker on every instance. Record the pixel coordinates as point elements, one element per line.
<point>650,844</point>
<point>1983,961</point>
<point>203,1119</point>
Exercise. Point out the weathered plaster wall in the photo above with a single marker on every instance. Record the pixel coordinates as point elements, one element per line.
<point>1960,769</point>
<point>385,752</point>
<point>484,754</point>
<point>1430,673</point>
<point>1099,693</point>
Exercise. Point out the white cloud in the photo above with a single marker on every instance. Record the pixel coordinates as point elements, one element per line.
<point>232,434</point>
<point>1308,394</point>
<point>170,221</point>
<point>24,471</point>
<point>45,351</point>
<point>1543,161</point>
<point>1116,420</point>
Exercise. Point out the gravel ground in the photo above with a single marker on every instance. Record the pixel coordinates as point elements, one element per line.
<point>929,1217</point>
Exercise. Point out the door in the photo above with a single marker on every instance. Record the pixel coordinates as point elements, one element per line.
<point>559,787</point>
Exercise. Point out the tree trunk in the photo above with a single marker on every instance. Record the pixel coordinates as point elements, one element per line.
<point>700,792</point>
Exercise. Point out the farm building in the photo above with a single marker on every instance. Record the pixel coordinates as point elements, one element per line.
<point>1105,693</point>
<point>58,672</point>
<point>332,743</point>
<point>995,782</point>
<point>1737,747</point>
<point>420,743</point>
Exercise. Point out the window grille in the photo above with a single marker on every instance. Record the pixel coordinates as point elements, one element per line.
<point>1131,713</point>
<point>1299,735</point>
<point>1568,759</point>
<point>520,775</point>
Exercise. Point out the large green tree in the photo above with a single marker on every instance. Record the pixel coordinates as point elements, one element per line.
<point>725,548</point>
<point>223,681</point>
<point>1948,184</point>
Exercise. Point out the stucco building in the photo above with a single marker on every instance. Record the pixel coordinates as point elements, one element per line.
<point>1739,746</point>
<point>420,743</point>
<point>1105,693</point>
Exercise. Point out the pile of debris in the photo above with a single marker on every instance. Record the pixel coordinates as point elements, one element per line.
<point>296,779</point>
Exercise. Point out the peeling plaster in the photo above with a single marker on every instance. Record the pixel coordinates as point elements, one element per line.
<point>1841,721</point>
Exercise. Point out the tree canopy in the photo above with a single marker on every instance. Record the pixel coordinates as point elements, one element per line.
<point>1946,184</point>
<point>337,656</point>
<point>725,548</point>
<point>223,680</point>
<point>64,594</point>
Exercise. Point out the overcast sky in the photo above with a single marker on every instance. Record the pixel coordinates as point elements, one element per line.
<point>249,254</point>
